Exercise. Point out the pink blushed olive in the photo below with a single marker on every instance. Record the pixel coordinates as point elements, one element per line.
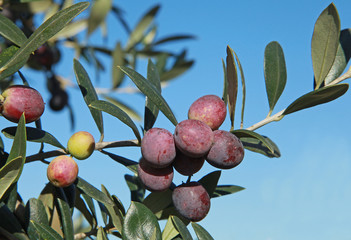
<point>19,99</point>
<point>227,150</point>
<point>209,109</point>
<point>62,171</point>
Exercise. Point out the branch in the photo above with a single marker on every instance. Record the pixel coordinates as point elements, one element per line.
<point>98,146</point>
<point>276,117</point>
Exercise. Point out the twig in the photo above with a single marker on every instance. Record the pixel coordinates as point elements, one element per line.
<point>276,117</point>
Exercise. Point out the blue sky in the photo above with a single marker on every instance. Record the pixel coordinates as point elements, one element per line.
<point>306,193</point>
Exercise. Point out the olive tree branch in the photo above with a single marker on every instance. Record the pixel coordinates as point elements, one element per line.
<point>98,146</point>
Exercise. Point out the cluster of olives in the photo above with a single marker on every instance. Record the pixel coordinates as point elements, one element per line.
<point>195,140</point>
<point>63,170</point>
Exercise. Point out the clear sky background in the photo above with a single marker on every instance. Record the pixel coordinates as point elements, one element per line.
<point>304,194</point>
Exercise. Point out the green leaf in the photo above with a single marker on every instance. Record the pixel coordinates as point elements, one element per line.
<point>46,232</point>
<point>232,84</point>
<point>225,83</point>
<point>210,181</point>
<point>10,223</point>
<point>137,190</point>
<point>137,34</point>
<point>319,96</point>
<point>91,206</point>
<point>140,223</point>
<point>176,71</point>
<point>34,135</point>
<point>43,33</point>
<point>117,60</point>
<point>243,133</point>
<point>222,190</point>
<point>130,164</point>
<point>98,13</point>
<point>101,234</point>
<point>19,142</point>
<point>89,93</point>
<point>72,29</point>
<point>151,92</point>
<point>35,211</point>
<point>157,201</point>
<point>47,198</point>
<point>93,192</point>
<point>181,227</point>
<point>343,55</point>
<point>243,86</point>
<point>151,110</point>
<point>81,206</point>
<point>11,32</point>
<point>5,56</point>
<point>127,109</point>
<point>274,73</point>
<point>12,197</point>
<point>173,38</point>
<point>169,232</point>
<point>114,211</point>
<point>325,41</point>
<point>66,219</point>
<point>256,145</point>
<point>201,232</point>
<point>115,111</point>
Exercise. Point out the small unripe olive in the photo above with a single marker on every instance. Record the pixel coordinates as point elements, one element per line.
<point>81,145</point>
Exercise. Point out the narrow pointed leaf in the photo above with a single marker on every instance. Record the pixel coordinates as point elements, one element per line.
<point>10,223</point>
<point>34,135</point>
<point>115,111</point>
<point>11,32</point>
<point>35,211</point>
<point>137,34</point>
<point>43,33</point>
<point>222,190</point>
<point>101,234</point>
<point>157,201</point>
<point>88,92</point>
<point>243,87</point>
<point>173,38</point>
<point>132,113</point>
<point>210,181</point>
<point>46,232</point>
<point>137,190</point>
<point>151,110</point>
<point>343,55</point>
<point>140,223</point>
<point>201,232</point>
<point>256,145</point>
<point>19,142</point>
<point>98,13</point>
<point>151,92</point>
<point>181,227</point>
<point>242,133</point>
<point>169,232</point>
<point>319,96</point>
<point>66,219</point>
<point>93,192</point>
<point>176,71</point>
<point>325,41</point>
<point>81,206</point>
<point>113,211</point>
<point>71,30</point>
<point>130,164</point>
<point>9,174</point>
<point>232,84</point>
<point>274,73</point>
<point>225,83</point>
<point>117,60</point>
